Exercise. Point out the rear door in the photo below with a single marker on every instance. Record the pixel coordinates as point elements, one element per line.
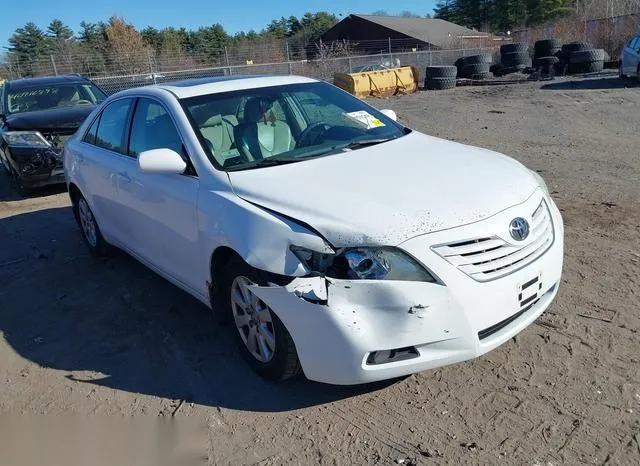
<point>101,156</point>
<point>162,207</point>
<point>630,57</point>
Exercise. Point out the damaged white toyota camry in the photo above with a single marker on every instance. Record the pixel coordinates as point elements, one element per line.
<point>333,240</point>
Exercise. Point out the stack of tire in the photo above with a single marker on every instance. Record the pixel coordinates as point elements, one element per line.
<point>440,77</point>
<point>474,66</point>
<point>580,57</point>
<point>546,58</point>
<point>513,58</point>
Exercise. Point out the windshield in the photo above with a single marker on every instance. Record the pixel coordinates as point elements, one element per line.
<point>284,124</point>
<point>29,99</point>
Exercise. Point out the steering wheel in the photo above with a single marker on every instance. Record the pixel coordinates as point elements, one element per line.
<point>311,134</point>
<point>83,102</point>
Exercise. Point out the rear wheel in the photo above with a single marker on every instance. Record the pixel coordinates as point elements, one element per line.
<point>262,338</point>
<point>89,228</point>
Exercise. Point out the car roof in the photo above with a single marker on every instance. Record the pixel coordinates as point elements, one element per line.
<point>195,87</point>
<point>44,81</point>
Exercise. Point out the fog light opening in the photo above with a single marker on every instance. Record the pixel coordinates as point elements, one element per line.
<point>394,355</point>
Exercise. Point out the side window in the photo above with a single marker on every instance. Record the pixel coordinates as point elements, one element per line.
<point>113,126</point>
<point>90,135</point>
<point>153,128</point>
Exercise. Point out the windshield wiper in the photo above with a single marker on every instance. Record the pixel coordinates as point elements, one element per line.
<point>364,143</point>
<point>268,162</point>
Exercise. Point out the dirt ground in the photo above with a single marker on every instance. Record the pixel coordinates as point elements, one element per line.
<point>91,336</point>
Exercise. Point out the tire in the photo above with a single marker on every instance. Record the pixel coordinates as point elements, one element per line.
<point>495,68</point>
<point>515,58</point>
<point>505,70</point>
<point>547,44</point>
<point>481,76</point>
<point>546,47</point>
<point>89,228</point>
<point>516,47</point>
<point>568,49</point>
<point>276,361</point>
<point>441,72</point>
<point>548,53</point>
<point>475,59</point>
<point>560,68</point>
<point>585,56</point>
<point>440,84</point>
<point>478,68</point>
<point>593,67</point>
<point>545,61</point>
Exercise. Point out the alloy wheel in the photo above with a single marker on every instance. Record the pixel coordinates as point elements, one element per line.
<point>253,320</point>
<point>88,223</point>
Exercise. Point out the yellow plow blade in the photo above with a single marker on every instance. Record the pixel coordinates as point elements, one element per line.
<point>383,83</point>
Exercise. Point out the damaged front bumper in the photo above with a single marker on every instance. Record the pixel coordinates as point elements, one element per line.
<point>369,331</point>
<point>357,331</point>
<point>37,167</point>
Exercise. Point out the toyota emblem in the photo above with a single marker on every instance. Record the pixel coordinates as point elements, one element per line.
<point>519,229</point>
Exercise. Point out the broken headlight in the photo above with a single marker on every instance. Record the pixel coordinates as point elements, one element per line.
<point>364,264</point>
<point>25,139</point>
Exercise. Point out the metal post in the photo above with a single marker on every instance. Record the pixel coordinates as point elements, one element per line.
<point>390,54</point>
<point>286,43</point>
<point>53,62</point>
<point>226,56</point>
<point>350,64</point>
<point>153,75</point>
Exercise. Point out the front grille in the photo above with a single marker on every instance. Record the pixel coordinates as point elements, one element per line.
<point>488,258</point>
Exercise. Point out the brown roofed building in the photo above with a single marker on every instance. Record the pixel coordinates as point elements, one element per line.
<point>402,32</point>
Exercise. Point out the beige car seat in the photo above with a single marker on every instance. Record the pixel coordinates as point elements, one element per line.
<point>218,130</point>
<point>260,135</point>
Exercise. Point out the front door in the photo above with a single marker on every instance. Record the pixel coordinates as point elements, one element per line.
<point>162,207</point>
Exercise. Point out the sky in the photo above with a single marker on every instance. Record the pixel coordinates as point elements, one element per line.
<point>235,16</point>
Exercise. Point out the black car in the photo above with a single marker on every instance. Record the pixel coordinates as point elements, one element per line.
<point>37,115</point>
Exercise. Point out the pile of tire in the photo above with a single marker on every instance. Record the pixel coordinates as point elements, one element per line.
<point>440,77</point>
<point>586,61</point>
<point>513,58</point>
<point>474,66</point>
<point>547,57</point>
<point>580,57</point>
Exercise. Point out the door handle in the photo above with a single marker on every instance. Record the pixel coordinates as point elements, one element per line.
<point>124,177</point>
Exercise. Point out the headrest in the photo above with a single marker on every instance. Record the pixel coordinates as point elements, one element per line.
<point>253,111</point>
<point>215,120</point>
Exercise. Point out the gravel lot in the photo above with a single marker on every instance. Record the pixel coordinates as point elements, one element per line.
<point>110,337</point>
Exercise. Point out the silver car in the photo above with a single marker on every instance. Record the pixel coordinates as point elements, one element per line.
<point>630,59</point>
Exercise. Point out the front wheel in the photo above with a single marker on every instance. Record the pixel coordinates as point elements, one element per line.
<point>89,228</point>
<point>262,338</point>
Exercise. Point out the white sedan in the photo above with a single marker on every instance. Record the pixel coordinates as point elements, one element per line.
<point>335,241</point>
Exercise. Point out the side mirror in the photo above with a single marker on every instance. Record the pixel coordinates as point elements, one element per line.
<point>161,161</point>
<point>390,114</point>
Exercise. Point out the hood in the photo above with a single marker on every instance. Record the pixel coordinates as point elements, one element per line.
<point>61,119</point>
<point>391,192</point>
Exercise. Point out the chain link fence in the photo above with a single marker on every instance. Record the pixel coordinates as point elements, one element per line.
<point>323,69</point>
<point>134,68</point>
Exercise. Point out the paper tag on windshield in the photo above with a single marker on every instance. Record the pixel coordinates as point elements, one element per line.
<point>365,119</point>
